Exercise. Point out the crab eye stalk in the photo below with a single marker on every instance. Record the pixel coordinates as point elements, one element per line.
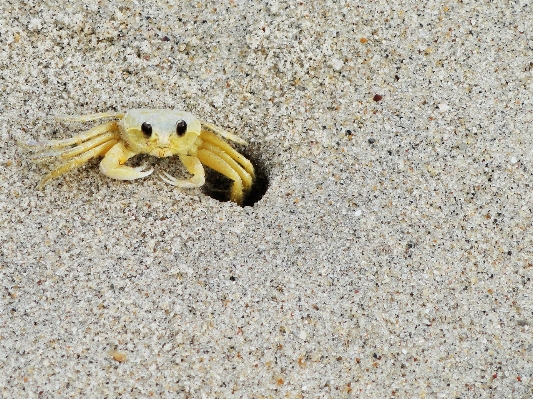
<point>146,129</point>
<point>181,127</point>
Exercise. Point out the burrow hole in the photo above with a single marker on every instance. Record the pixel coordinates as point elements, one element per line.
<point>218,186</point>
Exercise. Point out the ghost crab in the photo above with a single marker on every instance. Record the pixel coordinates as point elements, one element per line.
<point>157,132</point>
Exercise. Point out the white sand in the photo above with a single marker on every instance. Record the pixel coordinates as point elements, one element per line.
<point>395,261</point>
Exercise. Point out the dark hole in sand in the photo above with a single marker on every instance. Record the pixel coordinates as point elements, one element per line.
<point>218,186</point>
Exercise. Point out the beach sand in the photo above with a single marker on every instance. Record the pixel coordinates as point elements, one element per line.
<point>390,256</point>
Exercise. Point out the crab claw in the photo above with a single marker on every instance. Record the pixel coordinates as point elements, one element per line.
<point>113,164</point>
<point>141,168</point>
<point>195,181</point>
<point>128,173</point>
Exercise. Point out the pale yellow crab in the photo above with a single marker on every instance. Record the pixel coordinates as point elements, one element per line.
<point>157,132</point>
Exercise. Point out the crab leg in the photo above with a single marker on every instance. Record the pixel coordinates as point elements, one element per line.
<point>194,167</point>
<point>244,175</point>
<point>77,161</point>
<point>36,145</point>
<point>220,165</point>
<point>223,133</point>
<point>221,144</point>
<point>113,164</point>
<point>90,117</point>
<point>71,152</point>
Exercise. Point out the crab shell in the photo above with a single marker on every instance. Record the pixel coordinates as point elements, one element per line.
<point>164,140</point>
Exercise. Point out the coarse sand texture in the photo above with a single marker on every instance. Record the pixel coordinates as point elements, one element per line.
<point>388,251</point>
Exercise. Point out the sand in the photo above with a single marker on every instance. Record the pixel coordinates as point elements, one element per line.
<point>391,255</point>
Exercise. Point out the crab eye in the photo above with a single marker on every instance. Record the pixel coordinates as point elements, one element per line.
<point>146,129</point>
<point>181,127</point>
